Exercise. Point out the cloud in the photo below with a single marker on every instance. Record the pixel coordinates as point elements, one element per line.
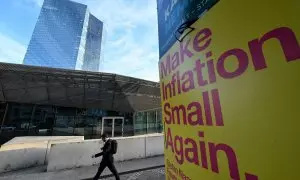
<point>33,3</point>
<point>10,50</point>
<point>130,42</point>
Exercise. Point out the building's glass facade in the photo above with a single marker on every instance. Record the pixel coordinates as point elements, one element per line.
<point>39,120</point>
<point>147,122</point>
<point>62,37</point>
<point>93,44</point>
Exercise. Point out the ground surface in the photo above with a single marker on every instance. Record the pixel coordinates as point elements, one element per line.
<point>154,174</point>
<point>138,169</point>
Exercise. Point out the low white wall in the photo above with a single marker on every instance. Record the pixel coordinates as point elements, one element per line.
<point>130,148</point>
<point>74,155</point>
<point>72,152</point>
<point>62,140</point>
<point>35,139</point>
<point>14,158</point>
<point>26,152</point>
<point>154,145</point>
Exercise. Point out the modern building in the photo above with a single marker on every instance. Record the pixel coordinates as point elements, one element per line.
<point>40,101</point>
<point>66,36</point>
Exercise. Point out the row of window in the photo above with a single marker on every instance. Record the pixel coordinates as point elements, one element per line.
<point>147,122</point>
<point>37,120</point>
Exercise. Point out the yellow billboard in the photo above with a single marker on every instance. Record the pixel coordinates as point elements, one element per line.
<point>231,94</point>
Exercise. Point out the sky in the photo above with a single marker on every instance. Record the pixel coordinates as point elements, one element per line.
<point>130,36</point>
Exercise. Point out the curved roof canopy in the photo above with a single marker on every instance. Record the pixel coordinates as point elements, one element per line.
<point>80,89</point>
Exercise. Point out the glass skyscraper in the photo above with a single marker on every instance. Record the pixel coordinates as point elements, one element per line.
<point>66,36</point>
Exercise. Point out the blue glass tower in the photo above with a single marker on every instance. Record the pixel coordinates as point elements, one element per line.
<point>66,36</point>
<point>93,44</point>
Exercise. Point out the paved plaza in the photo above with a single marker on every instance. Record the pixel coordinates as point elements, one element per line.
<point>154,174</point>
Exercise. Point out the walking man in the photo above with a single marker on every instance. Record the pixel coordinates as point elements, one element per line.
<point>108,150</point>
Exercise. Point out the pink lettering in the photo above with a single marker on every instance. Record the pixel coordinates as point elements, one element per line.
<point>242,58</point>
<point>184,51</point>
<point>232,160</point>
<point>287,39</point>
<point>203,36</point>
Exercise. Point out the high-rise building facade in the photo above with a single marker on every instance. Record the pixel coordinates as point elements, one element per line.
<point>66,36</point>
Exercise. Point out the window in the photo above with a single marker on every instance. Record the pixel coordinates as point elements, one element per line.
<point>140,124</point>
<point>151,122</point>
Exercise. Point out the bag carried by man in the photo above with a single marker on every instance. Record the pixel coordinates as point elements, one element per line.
<point>114,146</point>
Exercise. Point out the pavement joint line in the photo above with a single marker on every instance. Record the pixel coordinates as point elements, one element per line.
<point>130,171</point>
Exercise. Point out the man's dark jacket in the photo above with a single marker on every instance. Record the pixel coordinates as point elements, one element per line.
<point>106,151</point>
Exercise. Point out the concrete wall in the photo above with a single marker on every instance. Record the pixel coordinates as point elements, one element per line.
<point>23,152</point>
<point>34,139</point>
<point>31,154</point>
<point>154,145</point>
<point>78,154</point>
<point>72,152</point>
